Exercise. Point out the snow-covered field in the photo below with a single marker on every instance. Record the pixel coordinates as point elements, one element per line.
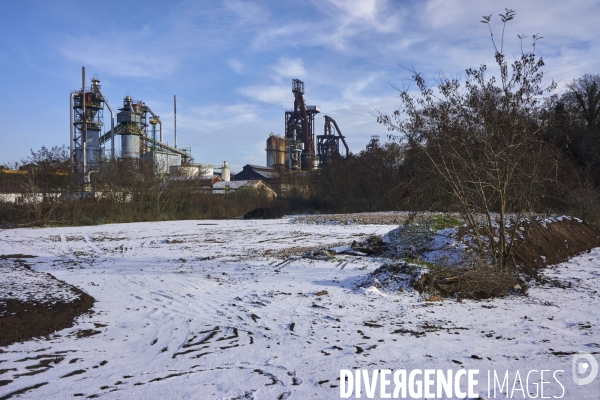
<point>226,309</point>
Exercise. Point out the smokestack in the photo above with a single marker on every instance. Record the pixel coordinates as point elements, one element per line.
<point>175,117</point>
<point>84,127</point>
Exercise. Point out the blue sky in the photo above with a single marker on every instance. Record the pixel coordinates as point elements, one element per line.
<point>231,62</point>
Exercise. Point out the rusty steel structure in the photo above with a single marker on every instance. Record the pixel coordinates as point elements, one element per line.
<point>299,131</point>
<point>276,151</point>
<point>328,144</point>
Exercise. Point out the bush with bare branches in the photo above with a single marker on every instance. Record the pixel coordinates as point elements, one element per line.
<point>484,140</point>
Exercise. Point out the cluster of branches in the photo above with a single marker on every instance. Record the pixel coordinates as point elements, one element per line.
<point>484,139</point>
<point>371,180</point>
<point>577,132</point>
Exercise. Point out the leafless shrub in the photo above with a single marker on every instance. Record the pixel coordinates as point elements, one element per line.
<point>484,140</point>
<point>478,280</point>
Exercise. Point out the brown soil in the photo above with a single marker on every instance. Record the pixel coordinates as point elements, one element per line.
<point>476,282</point>
<point>20,321</point>
<point>554,243</point>
<point>33,320</point>
<point>540,246</point>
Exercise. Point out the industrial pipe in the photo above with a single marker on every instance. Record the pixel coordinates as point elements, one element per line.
<point>159,121</point>
<point>112,125</point>
<point>337,128</point>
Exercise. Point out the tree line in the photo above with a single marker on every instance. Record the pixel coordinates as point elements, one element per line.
<point>48,193</point>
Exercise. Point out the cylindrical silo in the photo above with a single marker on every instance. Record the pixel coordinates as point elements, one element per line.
<point>130,146</point>
<point>281,151</point>
<point>271,150</point>
<point>225,172</point>
<point>93,151</point>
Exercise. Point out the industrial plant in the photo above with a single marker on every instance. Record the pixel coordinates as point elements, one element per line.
<point>140,132</point>
<point>296,150</point>
<point>137,132</point>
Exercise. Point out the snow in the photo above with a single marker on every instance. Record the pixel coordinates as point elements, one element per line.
<point>439,247</point>
<point>22,284</point>
<point>228,309</point>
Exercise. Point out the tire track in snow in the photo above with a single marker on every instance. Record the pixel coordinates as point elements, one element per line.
<point>91,243</point>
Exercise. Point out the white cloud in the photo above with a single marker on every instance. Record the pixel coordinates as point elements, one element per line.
<point>248,12</point>
<point>219,117</point>
<point>232,132</point>
<point>359,9</point>
<point>353,92</point>
<point>375,14</point>
<point>274,94</point>
<point>352,18</point>
<point>290,68</point>
<point>236,66</point>
<point>120,54</point>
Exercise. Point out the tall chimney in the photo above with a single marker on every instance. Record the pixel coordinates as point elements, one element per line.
<point>84,127</point>
<point>175,117</point>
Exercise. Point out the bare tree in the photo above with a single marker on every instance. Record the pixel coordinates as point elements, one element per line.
<point>484,139</point>
<point>46,175</point>
<point>584,95</point>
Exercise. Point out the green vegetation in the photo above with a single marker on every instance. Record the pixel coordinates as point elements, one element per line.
<point>439,222</point>
<point>422,263</point>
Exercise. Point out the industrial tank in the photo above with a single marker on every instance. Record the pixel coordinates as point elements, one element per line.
<point>130,146</point>
<point>276,150</point>
<point>226,172</point>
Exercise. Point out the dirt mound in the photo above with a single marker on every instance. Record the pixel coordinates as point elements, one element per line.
<point>29,320</point>
<point>475,281</point>
<point>554,240</point>
<point>34,304</point>
<point>541,242</point>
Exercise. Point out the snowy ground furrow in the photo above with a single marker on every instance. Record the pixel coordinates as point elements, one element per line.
<point>219,309</point>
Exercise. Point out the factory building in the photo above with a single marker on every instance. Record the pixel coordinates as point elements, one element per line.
<point>257,172</point>
<point>276,149</point>
<point>87,107</point>
<point>223,187</point>
<point>299,131</point>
